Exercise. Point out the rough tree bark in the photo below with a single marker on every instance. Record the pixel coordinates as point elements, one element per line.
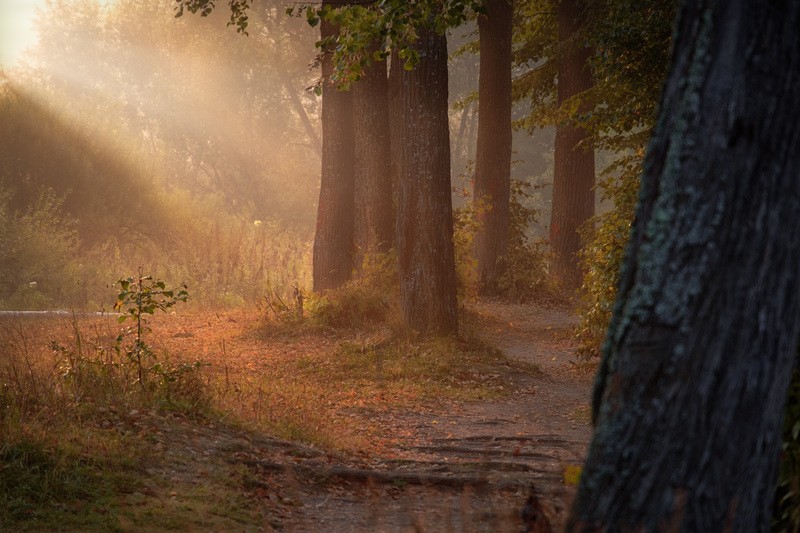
<point>424,221</point>
<point>374,216</point>
<point>573,172</point>
<point>492,183</point>
<point>690,395</point>
<point>333,242</point>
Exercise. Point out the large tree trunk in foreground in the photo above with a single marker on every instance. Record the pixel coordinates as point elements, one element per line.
<point>374,216</point>
<point>493,165</point>
<point>573,171</point>
<point>425,222</point>
<point>699,353</point>
<point>333,242</point>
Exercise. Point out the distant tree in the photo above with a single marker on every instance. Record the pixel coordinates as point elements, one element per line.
<point>334,241</point>
<point>492,185</point>
<point>573,171</point>
<point>690,394</point>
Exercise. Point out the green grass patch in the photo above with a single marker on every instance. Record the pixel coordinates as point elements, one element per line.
<point>48,484</point>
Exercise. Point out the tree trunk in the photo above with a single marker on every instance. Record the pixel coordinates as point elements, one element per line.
<point>462,129</point>
<point>573,173</point>
<point>299,109</point>
<point>395,122</point>
<point>333,242</point>
<point>493,164</point>
<point>690,395</point>
<point>425,221</point>
<point>374,216</point>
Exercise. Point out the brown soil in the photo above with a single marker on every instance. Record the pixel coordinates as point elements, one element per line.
<point>477,462</point>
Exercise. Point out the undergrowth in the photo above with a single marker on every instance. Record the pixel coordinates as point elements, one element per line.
<point>65,461</point>
<point>786,516</point>
<point>525,275</point>
<point>369,299</point>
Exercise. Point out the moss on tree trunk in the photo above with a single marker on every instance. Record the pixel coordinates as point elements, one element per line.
<point>690,395</point>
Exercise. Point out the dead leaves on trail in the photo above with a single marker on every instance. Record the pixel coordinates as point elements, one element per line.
<point>336,389</point>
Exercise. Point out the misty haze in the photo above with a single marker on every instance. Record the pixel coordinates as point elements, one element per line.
<point>485,265</point>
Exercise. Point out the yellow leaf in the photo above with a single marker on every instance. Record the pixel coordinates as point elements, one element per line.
<point>572,475</point>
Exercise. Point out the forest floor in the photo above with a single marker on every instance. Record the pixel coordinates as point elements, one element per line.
<point>301,438</point>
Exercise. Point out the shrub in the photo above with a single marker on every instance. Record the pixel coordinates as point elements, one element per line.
<point>37,253</point>
<point>786,516</point>
<point>606,236</point>
<point>526,258</point>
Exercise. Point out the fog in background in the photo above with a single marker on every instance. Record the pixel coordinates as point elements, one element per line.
<point>132,139</point>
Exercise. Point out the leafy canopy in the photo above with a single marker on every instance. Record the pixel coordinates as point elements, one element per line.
<point>367,30</point>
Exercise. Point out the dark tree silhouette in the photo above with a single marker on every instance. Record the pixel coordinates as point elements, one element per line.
<point>493,164</point>
<point>573,172</point>
<point>425,224</point>
<point>691,391</point>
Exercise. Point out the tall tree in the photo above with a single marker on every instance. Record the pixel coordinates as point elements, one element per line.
<point>573,172</point>
<point>492,184</point>
<point>395,118</point>
<point>374,214</point>
<point>334,238</point>
<point>690,394</point>
<point>425,222</point>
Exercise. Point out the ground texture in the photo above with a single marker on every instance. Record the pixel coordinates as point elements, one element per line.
<point>397,463</point>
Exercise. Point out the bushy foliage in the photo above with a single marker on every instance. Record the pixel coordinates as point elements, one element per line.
<point>140,296</point>
<point>465,227</point>
<point>370,298</point>
<point>629,43</point>
<point>526,258</point>
<point>786,516</point>
<point>606,238</point>
<point>38,259</point>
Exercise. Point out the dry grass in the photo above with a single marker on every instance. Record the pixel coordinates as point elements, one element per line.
<point>71,409</point>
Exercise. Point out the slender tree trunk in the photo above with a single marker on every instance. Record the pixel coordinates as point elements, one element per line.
<point>462,128</point>
<point>493,164</point>
<point>691,390</point>
<point>299,109</point>
<point>473,120</point>
<point>573,173</point>
<point>333,243</point>
<point>374,216</point>
<point>425,222</point>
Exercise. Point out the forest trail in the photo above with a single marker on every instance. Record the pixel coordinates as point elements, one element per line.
<point>468,466</point>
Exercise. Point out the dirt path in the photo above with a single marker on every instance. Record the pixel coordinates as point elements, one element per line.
<point>440,467</point>
<point>469,467</point>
